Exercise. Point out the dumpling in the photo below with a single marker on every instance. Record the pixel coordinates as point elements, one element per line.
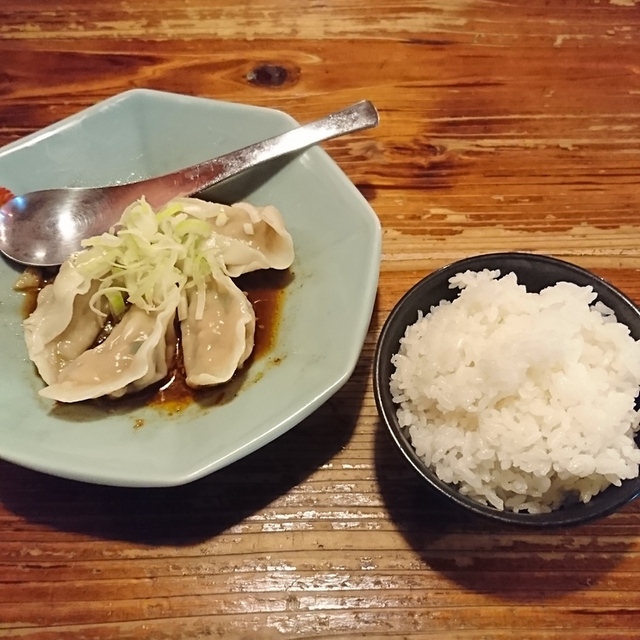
<point>63,325</point>
<point>247,238</point>
<point>137,353</point>
<point>151,268</point>
<point>217,344</point>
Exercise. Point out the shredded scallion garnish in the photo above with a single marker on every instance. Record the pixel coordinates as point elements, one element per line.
<point>149,254</point>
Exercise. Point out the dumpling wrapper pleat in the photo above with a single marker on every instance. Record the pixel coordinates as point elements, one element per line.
<point>219,343</point>
<point>247,238</point>
<point>63,325</point>
<point>136,353</point>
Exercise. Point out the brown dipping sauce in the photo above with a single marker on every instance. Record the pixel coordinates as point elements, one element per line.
<point>39,278</point>
<point>265,290</point>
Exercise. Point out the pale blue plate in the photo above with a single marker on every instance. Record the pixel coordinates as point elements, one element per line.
<point>325,315</point>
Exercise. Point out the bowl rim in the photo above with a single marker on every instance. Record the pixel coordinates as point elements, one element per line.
<point>387,344</point>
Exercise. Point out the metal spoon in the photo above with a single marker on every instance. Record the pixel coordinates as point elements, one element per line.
<point>43,228</point>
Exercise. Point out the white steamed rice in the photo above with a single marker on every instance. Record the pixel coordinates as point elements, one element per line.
<point>522,400</point>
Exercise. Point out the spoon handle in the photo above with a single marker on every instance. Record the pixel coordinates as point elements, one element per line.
<point>185,182</point>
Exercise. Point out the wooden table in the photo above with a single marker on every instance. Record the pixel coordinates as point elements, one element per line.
<point>506,125</point>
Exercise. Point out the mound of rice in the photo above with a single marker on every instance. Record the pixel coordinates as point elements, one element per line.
<point>524,401</point>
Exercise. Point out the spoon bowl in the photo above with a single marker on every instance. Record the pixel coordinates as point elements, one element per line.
<point>43,228</point>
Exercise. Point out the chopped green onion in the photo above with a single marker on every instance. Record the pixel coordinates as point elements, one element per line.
<point>194,226</point>
<point>149,254</point>
<point>116,302</point>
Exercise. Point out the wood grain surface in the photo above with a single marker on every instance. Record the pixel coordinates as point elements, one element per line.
<point>505,125</point>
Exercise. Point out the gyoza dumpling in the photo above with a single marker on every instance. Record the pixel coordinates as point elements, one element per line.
<point>246,237</point>
<point>137,353</point>
<point>151,266</point>
<point>63,325</point>
<point>217,344</point>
